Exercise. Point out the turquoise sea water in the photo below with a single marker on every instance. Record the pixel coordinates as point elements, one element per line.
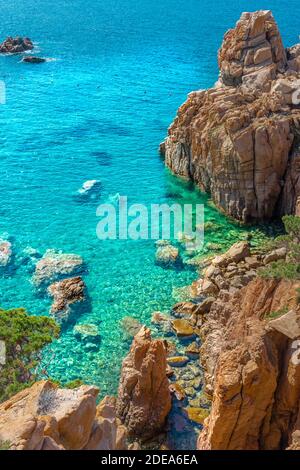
<point>99,111</point>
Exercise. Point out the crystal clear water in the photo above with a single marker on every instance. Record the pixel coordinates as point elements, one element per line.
<point>99,111</point>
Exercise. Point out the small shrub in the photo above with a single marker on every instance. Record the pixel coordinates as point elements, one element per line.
<point>74,384</point>
<point>280,270</point>
<point>24,336</point>
<point>277,314</point>
<point>289,268</point>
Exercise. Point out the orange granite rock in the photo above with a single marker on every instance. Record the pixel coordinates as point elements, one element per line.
<point>144,398</point>
<point>237,140</point>
<point>45,417</point>
<point>252,370</point>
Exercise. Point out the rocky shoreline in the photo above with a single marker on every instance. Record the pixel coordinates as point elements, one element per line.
<point>239,384</point>
<point>239,141</point>
<point>226,361</point>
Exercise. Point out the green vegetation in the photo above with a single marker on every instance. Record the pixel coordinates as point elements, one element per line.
<point>277,314</point>
<point>289,268</point>
<point>24,336</point>
<point>74,384</point>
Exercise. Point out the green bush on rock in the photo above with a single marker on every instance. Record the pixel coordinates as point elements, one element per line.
<point>290,267</point>
<point>24,336</point>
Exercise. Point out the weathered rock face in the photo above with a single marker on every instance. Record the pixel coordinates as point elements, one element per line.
<point>66,293</point>
<point>144,399</point>
<point>15,45</point>
<point>252,368</point>
<point>44,417</point>
<point>240,140</point>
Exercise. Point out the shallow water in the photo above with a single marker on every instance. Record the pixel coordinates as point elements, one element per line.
<point>99,112</point>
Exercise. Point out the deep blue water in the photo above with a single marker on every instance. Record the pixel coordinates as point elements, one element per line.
<point>99,112</point>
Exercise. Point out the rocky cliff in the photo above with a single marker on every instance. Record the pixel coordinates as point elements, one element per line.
<point>144,399</point>
<point>250,353</point>
<point>240,140</point>
<point>46,417</point>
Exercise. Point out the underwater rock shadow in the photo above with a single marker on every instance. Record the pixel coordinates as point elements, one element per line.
<point>103,158</point>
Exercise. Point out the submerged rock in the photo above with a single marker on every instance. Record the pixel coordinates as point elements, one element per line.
<point>130,326</point>
<point>167,256</point>
<point>177,361</point>
<point>34,59</point>
<point>65,294</point>
<point>144,399</point>
<point>56,265</point>
<point>15,45</point>
<point>182,327</point>
<point>87,332</point>
<point>197,415</point>
<point>90,189</point>
<point>5,253</point>
<point>29,257</point>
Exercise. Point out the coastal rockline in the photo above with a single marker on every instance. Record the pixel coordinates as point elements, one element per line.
<point>224,360</point>
<point>240,140</point>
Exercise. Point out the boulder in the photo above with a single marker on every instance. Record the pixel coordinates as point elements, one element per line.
<point>182,327</point>
<point>167,256</point>
<point>56,265</point>
<point>144,399</point>
<point>44,416</point>
<point>107,432</point>
<point>65,294</point>
<point>198,415</point>
<point>205,306</point>
<point>87,332</point>
<point>236,253</point>
<point>157,318</point>
<point>177,390</point>
<point>90,189</point>
<point>130,326</point>
<point>177,361</point>
<point>275,255</point>
<point>16,45</point>
<point>30,59</point>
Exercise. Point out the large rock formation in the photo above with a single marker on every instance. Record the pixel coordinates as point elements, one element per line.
<point>16,45</point>
<point>144,399</point>
<point>65,294</point>
<point>240,140</point>
<point>44,417</point>
<point>252,367</point>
